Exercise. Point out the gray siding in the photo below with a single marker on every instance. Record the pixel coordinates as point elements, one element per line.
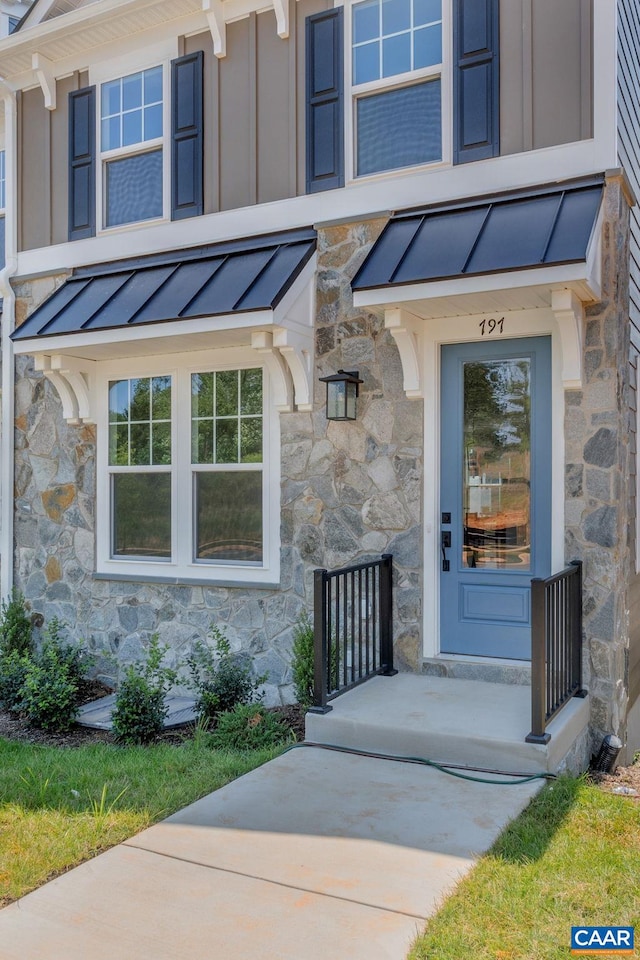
<point>545,73</point>
<point>35,192</point>
<point>255,110</point>
<point>43,176</point>
<point>634,585</point>
<point>629,157</point>
<point>629,136</point>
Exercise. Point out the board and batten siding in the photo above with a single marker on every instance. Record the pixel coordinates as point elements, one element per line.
<point>546,95</point>
<point>254,108</point>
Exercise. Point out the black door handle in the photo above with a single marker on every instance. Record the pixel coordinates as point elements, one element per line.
<point>445,544</point>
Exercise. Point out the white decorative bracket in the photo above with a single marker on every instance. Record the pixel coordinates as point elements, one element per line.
<point>569,312</point>
<point>297,350</point>
<point>403,327</point>
<point>262,342</point>
<point>215,18</point>
<point>281,9</point>
<point>43,68</point>
<point>71,378</point>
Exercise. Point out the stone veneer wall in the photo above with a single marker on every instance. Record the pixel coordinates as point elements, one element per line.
<point>349,490</point>
<point>598,482</point>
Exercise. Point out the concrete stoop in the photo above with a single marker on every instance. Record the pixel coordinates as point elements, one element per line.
<point>469,722</point>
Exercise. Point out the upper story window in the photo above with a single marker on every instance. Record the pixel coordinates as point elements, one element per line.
<point>396,79</point>
<point>131,141</point>
<point>13,23</point>
<point>136,144</point>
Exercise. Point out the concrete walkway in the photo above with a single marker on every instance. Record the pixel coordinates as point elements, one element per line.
<point>317,854</point>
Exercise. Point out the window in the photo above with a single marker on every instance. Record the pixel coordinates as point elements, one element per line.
<point>13,23</point>
<point>396,79</point>
<point>131,143</point>
<point>140,467</point>
<point>185,471</point>
<point>226,458</point>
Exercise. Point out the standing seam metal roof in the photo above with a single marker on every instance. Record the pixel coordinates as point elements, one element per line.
<point>545,227</point>
<point>238,277</point>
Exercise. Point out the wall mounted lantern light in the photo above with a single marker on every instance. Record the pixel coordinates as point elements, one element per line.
<point>342,390</point>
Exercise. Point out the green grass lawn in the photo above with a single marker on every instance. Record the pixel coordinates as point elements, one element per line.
<point>571,858</point>
<point>60,806</point>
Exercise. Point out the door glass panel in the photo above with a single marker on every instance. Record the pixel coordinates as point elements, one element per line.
<point>496,480</point>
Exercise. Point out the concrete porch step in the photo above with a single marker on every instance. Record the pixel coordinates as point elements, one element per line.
<point>466,722</point>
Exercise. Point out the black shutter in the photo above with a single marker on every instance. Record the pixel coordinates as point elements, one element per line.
<point>187,194</point>
<point>325,83</point>
<point>476,85</point>
<point>82,163</point>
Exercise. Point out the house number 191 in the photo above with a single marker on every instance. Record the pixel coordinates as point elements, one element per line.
<point>491,326</point>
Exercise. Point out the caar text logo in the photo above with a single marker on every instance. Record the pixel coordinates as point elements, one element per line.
<point>602,940</point>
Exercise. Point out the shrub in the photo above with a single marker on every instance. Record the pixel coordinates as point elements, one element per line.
<point>49,694</point>
<point>16,647</point>
<point>13,673</point>
<point>249,727</point>
<point>302,661</point>
<point>15,626</point>
<point>220,679</point>
<point>140,707</point>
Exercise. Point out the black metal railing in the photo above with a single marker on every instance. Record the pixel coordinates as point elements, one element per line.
<point>556,646</point>
<point>352,626</point>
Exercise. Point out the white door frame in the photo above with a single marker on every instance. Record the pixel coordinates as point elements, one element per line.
<point>431,334</point>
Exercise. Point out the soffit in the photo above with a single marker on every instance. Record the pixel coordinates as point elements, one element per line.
<point>86,28</point>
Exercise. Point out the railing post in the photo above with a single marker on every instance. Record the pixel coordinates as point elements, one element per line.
<point>386,615</point>
<point>576,641</point>
<point>538,664</point>
<point>320,643</point>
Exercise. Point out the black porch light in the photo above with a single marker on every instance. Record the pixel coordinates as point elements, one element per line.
<point>342,390</point>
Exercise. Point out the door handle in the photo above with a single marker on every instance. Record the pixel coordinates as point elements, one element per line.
<point>445,544</point>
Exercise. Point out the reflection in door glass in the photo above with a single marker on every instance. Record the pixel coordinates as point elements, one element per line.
<point>497,464</point>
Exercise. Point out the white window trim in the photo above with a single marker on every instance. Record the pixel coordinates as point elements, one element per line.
<point>182,567</point>
<point>158,55</point>
<point>353,93</point>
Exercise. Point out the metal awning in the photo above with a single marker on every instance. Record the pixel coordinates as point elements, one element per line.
<point>225,279</point>
<point>546,227</point>
<point>255,293</point>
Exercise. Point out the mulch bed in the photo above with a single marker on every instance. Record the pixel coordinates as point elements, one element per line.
<point>17,728</point>
<point>622,780</point>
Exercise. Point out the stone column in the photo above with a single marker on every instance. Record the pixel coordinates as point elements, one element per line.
<point>598,485</point>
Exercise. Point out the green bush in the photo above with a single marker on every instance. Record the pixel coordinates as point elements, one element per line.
<point>220,679</point>
<point>49,693</point>
<point>302,661</point>
<point>249,727</point>
<point>140,707</point>
<point>15,626</point>
<point>13,673</point>
<point>16,647</point>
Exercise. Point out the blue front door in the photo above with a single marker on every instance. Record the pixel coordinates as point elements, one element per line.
<point>495,493</point>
